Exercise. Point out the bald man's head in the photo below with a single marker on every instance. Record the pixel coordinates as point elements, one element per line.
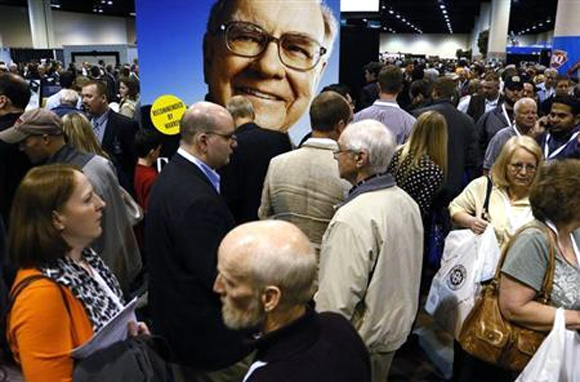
<point>260,255</point>
<point>203,117</point>
<point>208,133</point>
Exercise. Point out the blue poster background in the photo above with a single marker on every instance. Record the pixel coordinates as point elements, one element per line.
<point>566,55</point>
<point>169,39</point>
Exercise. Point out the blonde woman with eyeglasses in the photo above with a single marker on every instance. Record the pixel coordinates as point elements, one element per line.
<point>512,176</point>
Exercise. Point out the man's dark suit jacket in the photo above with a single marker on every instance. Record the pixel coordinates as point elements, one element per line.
<point>462,156</point>
<point>368,95</point>
<point>186,221</point>
<point>243,178</point>
<point>118,142</point>
<point>14,164</point>
<point>476,107</point>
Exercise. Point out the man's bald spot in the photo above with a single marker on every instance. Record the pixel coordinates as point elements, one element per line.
<point>204,112</point>
<point>269,236</point>
<point>203,117</point>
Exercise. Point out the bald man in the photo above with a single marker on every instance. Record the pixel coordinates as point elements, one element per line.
<point>266,279</point>
<point>187,219</point>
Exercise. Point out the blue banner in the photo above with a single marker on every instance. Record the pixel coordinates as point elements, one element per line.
<point>566,55</point>
<point>170,37</point>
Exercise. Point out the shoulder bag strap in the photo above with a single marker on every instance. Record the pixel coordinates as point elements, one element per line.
<point>485,210</point>
<point>25,283</point>
<point>546,290</point>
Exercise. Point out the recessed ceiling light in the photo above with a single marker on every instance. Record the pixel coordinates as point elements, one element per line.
<point>541,24</point>
<point>391,11</point>
<point>444,11</point>
<point>442,6</point>
<point>398,16</point>
<point>365,20</point>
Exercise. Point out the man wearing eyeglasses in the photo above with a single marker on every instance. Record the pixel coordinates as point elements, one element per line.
<point>525,120</point>
<point>271,52</point>
<point>371,254</point>
<point>187,219</point>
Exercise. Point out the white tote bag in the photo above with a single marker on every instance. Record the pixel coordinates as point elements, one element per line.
<point>558,358</point>
<point>468,259</point>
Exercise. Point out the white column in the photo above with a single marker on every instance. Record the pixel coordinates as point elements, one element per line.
<point>498,32</point>
<point>40,17</point>
<point>567,23</point>
<point>481,23</point>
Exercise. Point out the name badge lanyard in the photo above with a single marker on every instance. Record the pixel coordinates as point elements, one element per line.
<point>505,114</point>
<point>559,149</point>
<point>574,245</point>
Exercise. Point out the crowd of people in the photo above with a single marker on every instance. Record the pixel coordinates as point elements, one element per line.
<point>265,261</point>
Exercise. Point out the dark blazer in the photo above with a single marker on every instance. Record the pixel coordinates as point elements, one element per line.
<point>462,150</point>
<point>368,95</point>
<point>186,221</point>
<point>243,178</point>
<point>476,106</point>
<point>14,164</point>
<point>118,142</point>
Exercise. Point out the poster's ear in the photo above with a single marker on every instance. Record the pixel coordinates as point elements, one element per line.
<point>208,51</point>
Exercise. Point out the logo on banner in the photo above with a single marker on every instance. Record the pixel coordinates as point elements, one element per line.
<point>166,112</point>
<point>456,277</point>
<point>559,58</point>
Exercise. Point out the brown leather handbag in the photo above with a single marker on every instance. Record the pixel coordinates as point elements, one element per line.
<point>487,335</point>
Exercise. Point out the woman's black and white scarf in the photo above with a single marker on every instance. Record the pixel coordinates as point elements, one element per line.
<point>99,306</point>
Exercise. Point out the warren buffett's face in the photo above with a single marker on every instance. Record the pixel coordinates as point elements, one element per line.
<point>280,94</point>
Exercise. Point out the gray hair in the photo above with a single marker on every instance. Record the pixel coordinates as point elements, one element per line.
<point>69,97</point>
<point>291,270</point>
<point>524,101</point>
<point>374,138</point>
<point>240,107</point>
<point>330,24</point>
<point>431,74</point>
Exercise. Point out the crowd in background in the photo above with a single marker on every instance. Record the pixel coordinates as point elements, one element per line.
<point>425,147</point>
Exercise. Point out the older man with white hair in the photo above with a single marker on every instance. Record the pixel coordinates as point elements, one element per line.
<point>69,100</point>
<point>371,256</point>
<point>526,119</point>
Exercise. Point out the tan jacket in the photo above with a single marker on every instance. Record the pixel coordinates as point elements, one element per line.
<point>303,187</point>
<point>384,227</point>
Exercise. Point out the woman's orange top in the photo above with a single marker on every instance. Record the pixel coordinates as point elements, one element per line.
<point>41,332</point>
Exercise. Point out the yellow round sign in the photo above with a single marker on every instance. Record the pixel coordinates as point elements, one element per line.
<point>166,112</point>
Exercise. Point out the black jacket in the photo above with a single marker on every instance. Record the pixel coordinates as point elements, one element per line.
<point>368,95</point>
<point>13,166</point>
<point>314,348</point>
<point>243,178</point>
<point>186,221</point>
<point>118,142</point>
<point>476,106</point>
